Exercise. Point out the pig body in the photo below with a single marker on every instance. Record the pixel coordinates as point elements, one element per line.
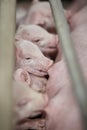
<point>63,112</point>
<point>46,42</point>
<point>67,115</point>
<point>31,59</point>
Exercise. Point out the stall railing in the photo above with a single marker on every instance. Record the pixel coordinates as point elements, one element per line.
<point>7,31</point>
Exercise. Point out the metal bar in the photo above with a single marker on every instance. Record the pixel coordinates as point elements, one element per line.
<point>78,82</point>
<point>7,31</point>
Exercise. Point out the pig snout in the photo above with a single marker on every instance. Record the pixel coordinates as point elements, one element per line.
<point>45,64</point>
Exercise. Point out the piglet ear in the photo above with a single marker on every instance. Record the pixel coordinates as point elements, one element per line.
<point>21,75</point>
<point>25,75</point>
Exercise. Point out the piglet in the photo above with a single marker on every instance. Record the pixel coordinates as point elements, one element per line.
<point>30,58</point>
<point>47,42</point>
<point>27,103</point>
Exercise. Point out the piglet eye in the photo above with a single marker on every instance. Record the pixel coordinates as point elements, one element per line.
<point>28,58</point>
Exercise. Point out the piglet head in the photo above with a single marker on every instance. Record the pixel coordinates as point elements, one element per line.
<point>31,58</point>
<point>27,102</point>
<point>47,42</point>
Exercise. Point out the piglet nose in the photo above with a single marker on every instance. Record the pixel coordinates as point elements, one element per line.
<point>23,102</point>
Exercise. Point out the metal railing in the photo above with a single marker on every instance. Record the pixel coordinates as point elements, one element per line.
<point>7,31</point>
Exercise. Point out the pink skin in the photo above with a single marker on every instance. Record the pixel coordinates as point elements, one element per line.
<point>39,83</point>
<point>78,14</point>
<point>47,42</point>
<point>67,115</point>
<point>36,83</point>
<point>63,111</point>
<point>27,102</point>
<point>31,59</point>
